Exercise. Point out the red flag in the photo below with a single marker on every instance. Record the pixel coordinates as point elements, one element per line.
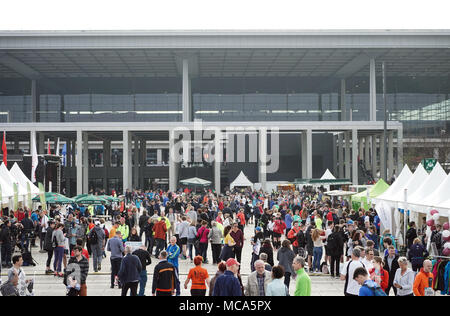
<point>48,149</point>
<point>5,150</point>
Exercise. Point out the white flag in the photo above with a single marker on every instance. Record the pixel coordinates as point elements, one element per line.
<point>34,159</point>
<point>57,148</point>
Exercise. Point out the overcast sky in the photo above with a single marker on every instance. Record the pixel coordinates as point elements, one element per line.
<point>225,14</point>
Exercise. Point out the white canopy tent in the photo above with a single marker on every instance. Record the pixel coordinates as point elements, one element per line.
<point>328,176</point>
<point>18,174</point>
<point>241,181</point>
<point>444,207</point>
<point>7,191</point>
<point>427,189</point>
<point>419,177</point>
<point>399,183</point>
<point>439,195</point>
<point>10,180</point>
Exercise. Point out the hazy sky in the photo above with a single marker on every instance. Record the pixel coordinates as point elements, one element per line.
<point>225,14</point>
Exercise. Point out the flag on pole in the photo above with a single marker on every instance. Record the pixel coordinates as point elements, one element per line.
<point>48,147</point>
<point>1,201</point>
<point>42,196</point>
<point>5,150</point>
<point>34,159</point>
<point>64,154</point>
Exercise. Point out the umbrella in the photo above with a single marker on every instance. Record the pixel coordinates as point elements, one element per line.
<point>109,198</point>
<point>79,196</point>
<point>54,198</point>
<point>91,200</point>
<point>196,182</point>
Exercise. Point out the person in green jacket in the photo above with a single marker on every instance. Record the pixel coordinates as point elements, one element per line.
<point>303,286</point>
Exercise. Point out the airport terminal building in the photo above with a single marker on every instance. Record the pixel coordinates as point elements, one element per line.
<point>117,100</point>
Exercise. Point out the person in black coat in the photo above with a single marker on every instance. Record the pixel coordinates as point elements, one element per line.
<point>335,245</point>
<point>391,265</point>
<point>267,249</point>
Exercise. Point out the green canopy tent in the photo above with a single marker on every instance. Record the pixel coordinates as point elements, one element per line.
<point>54,198</point>
<point>91,200</point>
<point>109,198</point>
<point>360,199</point>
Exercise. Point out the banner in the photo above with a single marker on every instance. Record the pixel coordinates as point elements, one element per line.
<point>42,196</point>
<point>30,202</point>
<point>34,159</point>
<point>1,201</point>
<point>16,197</point>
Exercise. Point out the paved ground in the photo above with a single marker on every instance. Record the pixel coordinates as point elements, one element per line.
<point>98,284</point>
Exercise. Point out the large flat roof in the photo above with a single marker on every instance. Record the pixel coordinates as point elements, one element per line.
<point>222,53</point>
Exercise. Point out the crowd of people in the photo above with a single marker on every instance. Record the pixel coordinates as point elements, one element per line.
<point>304,232</point>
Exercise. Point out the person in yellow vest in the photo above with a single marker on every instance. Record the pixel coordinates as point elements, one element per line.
<point>91,210</point>
<point>124,229</point>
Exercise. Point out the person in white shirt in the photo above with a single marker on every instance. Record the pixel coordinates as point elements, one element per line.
<point>351,287</point>
<point>25,286</point>
<point>368,259</point>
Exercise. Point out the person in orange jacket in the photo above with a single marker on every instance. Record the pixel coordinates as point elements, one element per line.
<point>424,280</point>
<point>160,230</point>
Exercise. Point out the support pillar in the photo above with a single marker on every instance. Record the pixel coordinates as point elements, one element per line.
<point>309,162</point>
<point>106,163</point>
<point>143,155</point>
<point>372,91</point>
<point>85,162</point>
<point>335,154</point>
<point>355,157</point>
<point>400,150</point>
<point>127,171</point>
<point>382,156</point>
<point>390,154</point>
<point>41,144</point>
<point>304,155</point>
<point>159,157</point>
<point>217,161</point>
<point>374,156</point>
<point>347,155</point>
<point>367,152</point>
<point>341,155</point>
<point>173,165</point>
<point>262,170</point>
<point>136,159</point>
<point>343,102</point>
<point>79,161</point>
<point>186,93</point>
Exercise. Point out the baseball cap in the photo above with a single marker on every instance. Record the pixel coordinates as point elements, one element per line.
<point>232,262</point>
<point>350,222</point>
<point>258,229</point>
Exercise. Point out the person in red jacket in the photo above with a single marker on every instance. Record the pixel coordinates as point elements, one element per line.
<point>378,274</point>
<point>278,230</point>
<point>292,236</point>
<point>160,230</point>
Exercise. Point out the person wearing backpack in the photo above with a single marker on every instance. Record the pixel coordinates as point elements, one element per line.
<point>97,241</point>
<point>368,287</point>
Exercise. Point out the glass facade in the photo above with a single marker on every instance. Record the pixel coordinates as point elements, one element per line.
<point>421,103</point>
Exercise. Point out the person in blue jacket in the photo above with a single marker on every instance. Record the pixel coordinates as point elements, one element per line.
<point>368,287</point>
<point>228,284</point>
<point>173,251</point>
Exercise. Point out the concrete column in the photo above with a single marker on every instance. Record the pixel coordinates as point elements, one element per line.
<point>32,139</point>
<point>382,156</point>
<point>68,153</point>
<point>159,157</point>
<point>367,152</point>
<point>304,155</point>
<point>355,157</point>
<point>373,91</point>
<point>85,163</point>
<point>186,93</point>
<point>41,144</point>
<point>335,155</point>
<point>309,161</point>
<point>347,155</point>
<point>135,181</point>
<point>173,165</point>
<point>106,161</point>
<point>374,156</point>
<point>34,101</point>
<point>390,154</point>
<point>343,102</point>
<point>217,162</point>
<point>341,155</point>
<point>79,161</point>
<point>127,172</point>
<point>262,170</point>
<point>143,155</point>
<point>400,150</point>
